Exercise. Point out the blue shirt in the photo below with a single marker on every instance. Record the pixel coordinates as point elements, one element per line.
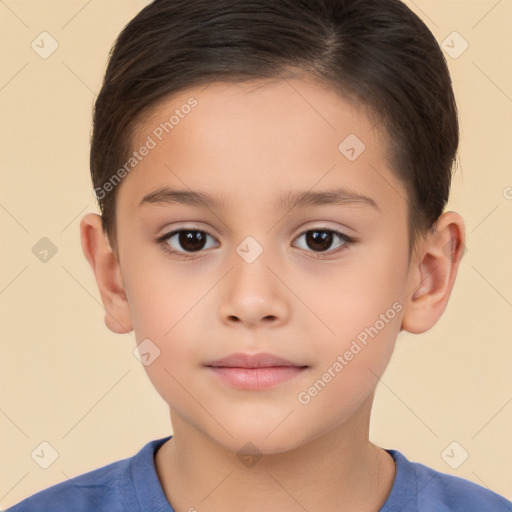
<point>132,485</point>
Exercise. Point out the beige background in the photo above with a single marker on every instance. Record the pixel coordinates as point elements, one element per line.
<point>69,381</point>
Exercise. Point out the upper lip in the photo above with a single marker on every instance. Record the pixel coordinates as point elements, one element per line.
<point>241,360</point>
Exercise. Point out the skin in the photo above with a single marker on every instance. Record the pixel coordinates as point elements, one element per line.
<point>249,143</point>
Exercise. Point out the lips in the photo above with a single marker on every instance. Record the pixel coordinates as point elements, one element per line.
<point>241,360</point>
<point>254,371</point>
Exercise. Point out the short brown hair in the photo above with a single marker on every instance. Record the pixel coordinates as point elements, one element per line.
<point>378,52</point>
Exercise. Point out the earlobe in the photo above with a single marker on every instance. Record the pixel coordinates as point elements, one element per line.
<point>432,275</point>
<point>107,272</point>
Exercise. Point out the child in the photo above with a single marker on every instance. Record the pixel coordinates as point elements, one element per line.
<point>272,176</point>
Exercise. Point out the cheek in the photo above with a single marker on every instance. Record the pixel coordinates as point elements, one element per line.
<point>355,297</point>
<point>351,366</point>
<point>165,379</point>
<point>164,308</point>
<point>162,296</point>
<point>178,352</point>
<point>362,305</point>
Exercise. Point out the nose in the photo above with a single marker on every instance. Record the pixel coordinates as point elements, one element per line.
<point>253,296</point>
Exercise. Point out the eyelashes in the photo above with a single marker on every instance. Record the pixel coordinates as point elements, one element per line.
<point>185,238</point>
<point>194,242</point>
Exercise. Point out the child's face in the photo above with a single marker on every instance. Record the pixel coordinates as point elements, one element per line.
<point>248,147</point>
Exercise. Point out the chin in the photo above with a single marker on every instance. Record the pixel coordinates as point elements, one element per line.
<point>255,442</point>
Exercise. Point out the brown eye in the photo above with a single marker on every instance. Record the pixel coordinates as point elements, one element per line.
<point>192,240</point>
<point>183,241</point>
<point>321,240</point>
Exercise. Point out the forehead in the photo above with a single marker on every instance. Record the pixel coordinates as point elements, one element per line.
<point>259,141</point>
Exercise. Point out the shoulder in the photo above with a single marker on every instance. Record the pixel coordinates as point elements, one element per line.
<point>98,487</point>
<point>109,487</point>
<point>436,491</point>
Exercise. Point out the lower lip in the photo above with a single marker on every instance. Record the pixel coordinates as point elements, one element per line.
<point>256,378</point>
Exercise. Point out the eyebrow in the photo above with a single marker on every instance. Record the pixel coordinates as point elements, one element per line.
<point>290,200</point>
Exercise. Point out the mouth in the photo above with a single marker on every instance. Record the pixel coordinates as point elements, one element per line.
<point>254,371</point>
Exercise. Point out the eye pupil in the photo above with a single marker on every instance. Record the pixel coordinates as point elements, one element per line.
<point>319,240</point>
<point>192,240</point>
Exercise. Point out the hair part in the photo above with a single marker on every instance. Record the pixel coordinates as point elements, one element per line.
<point>377,53</point>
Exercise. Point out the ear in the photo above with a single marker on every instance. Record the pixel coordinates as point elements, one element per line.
<point>107,271</point>
<point>432,273</point>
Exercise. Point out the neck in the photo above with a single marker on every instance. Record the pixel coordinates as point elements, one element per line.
<point>339,470</point>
